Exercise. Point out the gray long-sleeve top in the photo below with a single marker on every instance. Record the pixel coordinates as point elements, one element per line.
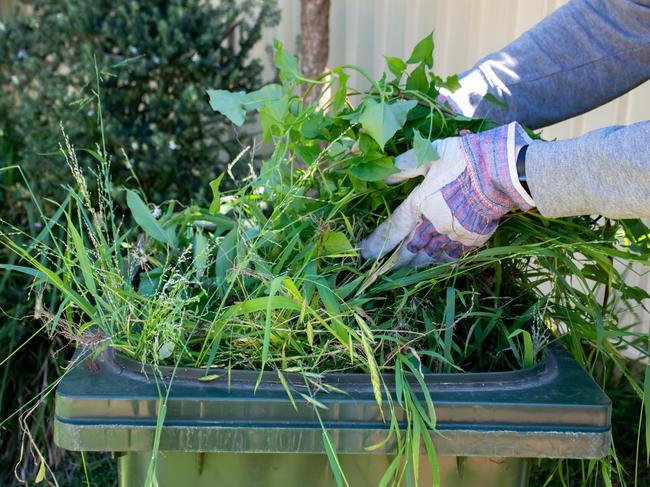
<point>581,56</point>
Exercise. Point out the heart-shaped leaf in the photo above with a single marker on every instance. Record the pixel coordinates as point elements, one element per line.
<point>375,170</point>
<point>230,104</point>
<point>381,120</point>
<point>396,66</point>
<point>424,149</point>
<point>287,64</point>
<point>337,244</point>
<point>423,52</point>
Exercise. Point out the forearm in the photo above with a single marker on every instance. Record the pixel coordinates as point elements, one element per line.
<point>580,57</point>
<point>605,172</point>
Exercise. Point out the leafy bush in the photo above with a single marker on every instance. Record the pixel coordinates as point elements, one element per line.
<point>153,59</point>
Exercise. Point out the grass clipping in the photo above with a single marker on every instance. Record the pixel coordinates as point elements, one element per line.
<point>267,277</point>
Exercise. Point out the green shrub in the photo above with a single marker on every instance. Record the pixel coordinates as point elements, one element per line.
<point>154,58</point>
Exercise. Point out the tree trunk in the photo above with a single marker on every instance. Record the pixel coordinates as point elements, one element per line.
<point>314,39</point>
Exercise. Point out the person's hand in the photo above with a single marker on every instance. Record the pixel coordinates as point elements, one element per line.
<point>458,205</point>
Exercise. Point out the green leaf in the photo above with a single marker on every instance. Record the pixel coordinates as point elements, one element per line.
<point>40,475</point>
<point>200,252</point>
<point>375,170</point>
<point>145,219</point>
<point>308,153</point>
<point>424,150</point>
<point>367,145</point>
<point>166,350</point>
<point>423,52</point>
<point>226,255</point>
<point>229,104</point>
<point>489,97</point>
<point>208,378</point>
<point>287,64</point>
<point>396,66</point>
<point>382,121</point>
<point>273,115</point>
<point>417,80</point>
<point>314,125</point>
<point>451,83</point>
<point>234,105</point>
<point>215,206</point>
<point>264,95</point>
<point>336,243</point>
<point>529,350</point>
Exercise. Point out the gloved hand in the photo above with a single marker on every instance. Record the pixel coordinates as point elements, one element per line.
<point>458,205</point>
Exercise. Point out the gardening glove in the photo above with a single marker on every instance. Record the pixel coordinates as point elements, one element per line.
<point>458,205</point>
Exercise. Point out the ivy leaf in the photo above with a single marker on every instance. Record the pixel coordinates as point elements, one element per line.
<point>264,95</point>
<point>376,169</point>
<point>367,144</point>
<point>273,115</point>
<point>215,206</point>
<point>337,244</point>
<point>417,80</point>
<point>308,153</point>
<point>451,83</point>
<point>423,52</point>
<point>235,104</point>
<point>424,150</point>
<point>381,121</point>
<point>287,64</point>
<point>314,125</point>
<point>230,104</point>
<point>396,66</point>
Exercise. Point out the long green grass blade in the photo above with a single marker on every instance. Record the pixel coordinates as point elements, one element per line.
<point>646,402</point>
<point>450,314</point>
<point>81,253</point>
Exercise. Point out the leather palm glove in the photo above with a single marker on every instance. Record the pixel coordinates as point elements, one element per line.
<point>458,205</point>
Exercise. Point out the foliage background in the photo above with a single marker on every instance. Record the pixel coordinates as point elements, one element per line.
<point>155,58</point>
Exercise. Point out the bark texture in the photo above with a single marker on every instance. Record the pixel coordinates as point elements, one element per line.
<point>314,39</point>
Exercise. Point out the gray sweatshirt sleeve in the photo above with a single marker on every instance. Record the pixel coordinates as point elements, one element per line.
<point>606,171</point>
<point>581,56</point>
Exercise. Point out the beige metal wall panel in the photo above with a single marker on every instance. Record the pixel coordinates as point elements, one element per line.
<point>363,31</point>
<point>6,7</point>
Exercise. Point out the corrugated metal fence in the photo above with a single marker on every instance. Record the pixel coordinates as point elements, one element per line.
<point>363,31</point>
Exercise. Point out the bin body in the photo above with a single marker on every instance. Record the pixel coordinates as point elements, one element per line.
<point>177,469</point>
<point>230,432</point>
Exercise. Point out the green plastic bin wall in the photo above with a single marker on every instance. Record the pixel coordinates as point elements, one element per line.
<point>224,433</point>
